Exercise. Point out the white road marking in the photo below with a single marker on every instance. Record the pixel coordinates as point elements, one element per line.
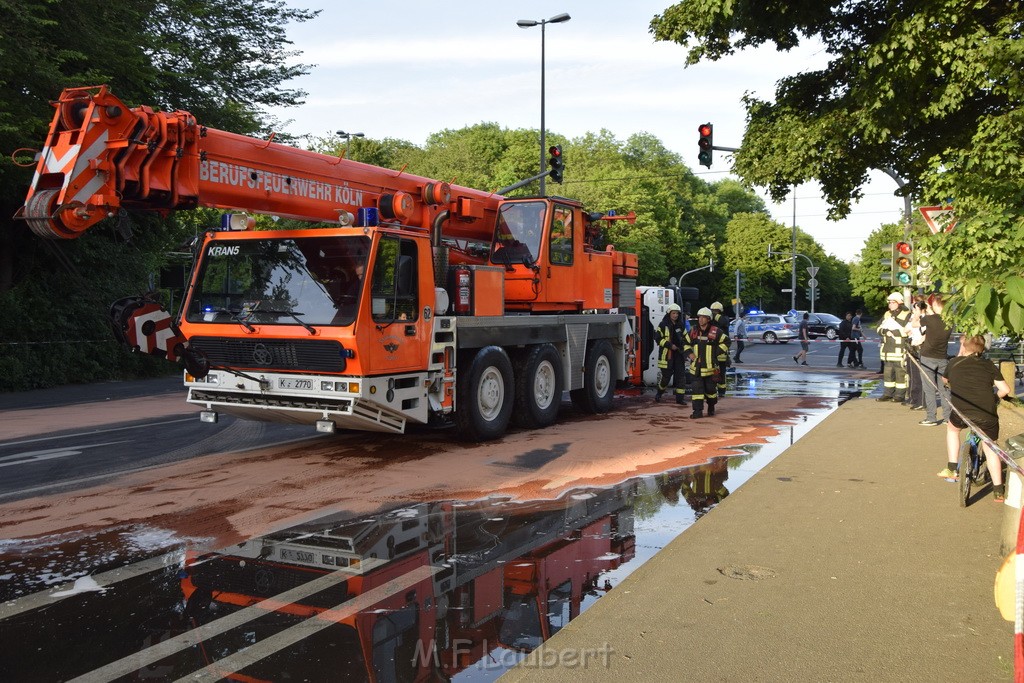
<point>28,457</point>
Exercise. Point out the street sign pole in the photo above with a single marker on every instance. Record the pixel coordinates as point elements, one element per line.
<point>813,284</point>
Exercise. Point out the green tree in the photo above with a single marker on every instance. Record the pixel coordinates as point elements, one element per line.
<point>223,60</point>
<point>929,89</point>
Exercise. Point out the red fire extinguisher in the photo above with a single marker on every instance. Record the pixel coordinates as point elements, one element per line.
<point>462,276</point>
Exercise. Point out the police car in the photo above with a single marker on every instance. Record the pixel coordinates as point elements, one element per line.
<point>771,328</point>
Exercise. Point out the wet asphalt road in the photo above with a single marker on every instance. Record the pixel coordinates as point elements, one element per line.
<point>460,588</point>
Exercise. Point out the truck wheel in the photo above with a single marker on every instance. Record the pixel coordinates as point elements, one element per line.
<point>485,392</point>
<point>538,377</point>
<point>598,380</point>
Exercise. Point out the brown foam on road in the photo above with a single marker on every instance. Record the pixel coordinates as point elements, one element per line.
<point>16,424</point>
<point>230,497</point>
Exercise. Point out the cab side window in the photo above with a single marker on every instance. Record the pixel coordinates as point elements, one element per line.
<point>560,243</point>
<point>394,284</point>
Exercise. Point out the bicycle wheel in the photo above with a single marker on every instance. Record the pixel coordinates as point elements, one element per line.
<point>966,472</point>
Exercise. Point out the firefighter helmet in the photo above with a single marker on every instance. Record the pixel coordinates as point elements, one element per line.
<point>896,296</point>
<point>717,306</point>
<point>673,307</point>
<point>706,312</point>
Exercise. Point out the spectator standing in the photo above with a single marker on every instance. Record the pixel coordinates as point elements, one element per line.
<point>934,359</point>
<point>805,340</point>
<point>857,335</point>
<point>915,397</point>
<point>671,359</point>
<point>845,345</point>
<point>971,379</point>
<point>894,331</point>
<point>741,338</point>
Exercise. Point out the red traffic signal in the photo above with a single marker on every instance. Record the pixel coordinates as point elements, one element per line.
<point>904,270</point>
<point>705,143</point>
<point>556,163</point>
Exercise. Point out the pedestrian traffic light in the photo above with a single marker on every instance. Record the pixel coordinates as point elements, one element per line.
<point>905,272</point>
<point>705,143</point>
<point>889,264</point>
<point>556,163</point>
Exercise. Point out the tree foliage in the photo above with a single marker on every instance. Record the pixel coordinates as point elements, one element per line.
<point>929,89</point>
<point>224,60</point>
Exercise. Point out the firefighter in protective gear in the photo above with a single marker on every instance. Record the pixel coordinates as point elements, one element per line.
<point>720,320</point>
<point>704,487</point>
<point>671,359</point>
<point>704,347</point>
<point>895,331</point>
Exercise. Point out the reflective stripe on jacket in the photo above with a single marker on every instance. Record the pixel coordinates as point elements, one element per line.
<point>669,333</point>
<point>708,347</point>
<point>894,341</point>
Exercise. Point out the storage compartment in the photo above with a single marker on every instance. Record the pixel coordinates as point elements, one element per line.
<point>477,290</point>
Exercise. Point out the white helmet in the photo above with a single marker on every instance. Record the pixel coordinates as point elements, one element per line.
<point>706,312</point>
<point>895,296</point>
<point>717,306</point>
<point>673,307</point>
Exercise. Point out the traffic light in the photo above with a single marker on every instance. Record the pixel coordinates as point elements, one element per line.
<point>741,280</point>
<point>556,163</point>
<point>705,143</point>
<point>904,269</point>
<point>889,265</point>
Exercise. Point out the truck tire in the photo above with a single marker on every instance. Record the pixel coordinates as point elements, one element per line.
<point>485,392</point>
<point>539,379</point>
<point>598,380</point>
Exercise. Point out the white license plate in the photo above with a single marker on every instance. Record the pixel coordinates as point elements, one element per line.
<point>296,555</point>
<point>299,384</point>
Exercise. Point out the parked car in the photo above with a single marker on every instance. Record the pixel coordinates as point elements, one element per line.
<point>768,327</point>
<point>820,324</point>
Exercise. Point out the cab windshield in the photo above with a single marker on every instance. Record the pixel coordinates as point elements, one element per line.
<point>517,234</point>
<point>297,281</point>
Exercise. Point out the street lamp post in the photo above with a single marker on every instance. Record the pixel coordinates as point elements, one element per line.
<point>812,271</point>
<point>346,137</point>
<point>528,23</point>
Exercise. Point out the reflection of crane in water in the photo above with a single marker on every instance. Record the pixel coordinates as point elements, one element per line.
<point>469,578</point>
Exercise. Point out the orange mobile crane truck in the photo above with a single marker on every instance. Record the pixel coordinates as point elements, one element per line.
<point>406,300</point>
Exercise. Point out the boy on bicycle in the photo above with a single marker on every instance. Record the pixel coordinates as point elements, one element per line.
<point>970,379</point>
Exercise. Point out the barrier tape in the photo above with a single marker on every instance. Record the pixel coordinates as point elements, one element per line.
<point>1003,455</point>
<point>1018,622</point>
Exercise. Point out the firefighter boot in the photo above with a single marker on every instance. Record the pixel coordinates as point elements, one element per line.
<point>698,409</point>
<point>711,407</point>
<point>681,399</point>
<point>658,394</point>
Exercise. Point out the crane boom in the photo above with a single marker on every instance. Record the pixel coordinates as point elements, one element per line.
<point>101,156</point>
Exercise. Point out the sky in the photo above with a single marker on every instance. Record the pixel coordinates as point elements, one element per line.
<point>408,69</point>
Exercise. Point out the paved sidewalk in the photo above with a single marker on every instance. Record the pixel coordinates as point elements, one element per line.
<point>845,559</point>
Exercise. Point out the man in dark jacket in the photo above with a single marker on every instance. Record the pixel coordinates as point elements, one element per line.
<point>845,345</point>
<point>671,360</point>
<point>720,320</point>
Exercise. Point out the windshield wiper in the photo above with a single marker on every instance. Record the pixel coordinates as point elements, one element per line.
<point>234,317</point>
<point>291,314</point>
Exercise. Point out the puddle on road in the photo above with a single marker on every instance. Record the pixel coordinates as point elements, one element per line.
<point>459,590</point>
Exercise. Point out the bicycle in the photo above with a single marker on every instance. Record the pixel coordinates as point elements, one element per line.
<point>973,467</point>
